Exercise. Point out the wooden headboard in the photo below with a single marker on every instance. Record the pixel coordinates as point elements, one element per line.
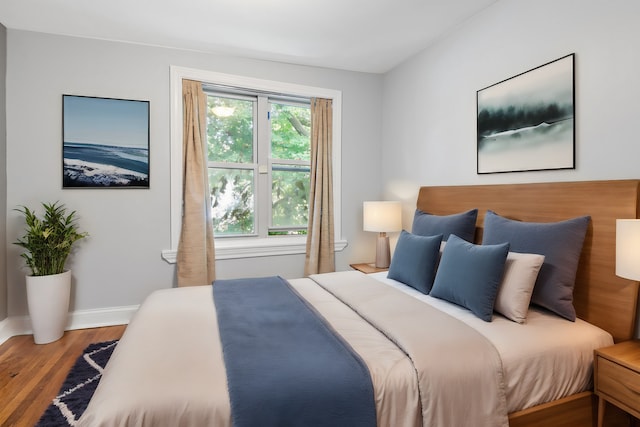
<point>600,297</point>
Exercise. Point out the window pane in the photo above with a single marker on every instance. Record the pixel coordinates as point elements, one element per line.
<point>290,191</point>
<point>290,130</point>
<point>230,129</point>
<point>232,201</point>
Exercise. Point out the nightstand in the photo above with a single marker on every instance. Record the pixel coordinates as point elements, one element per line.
<point>617,378</point>
<point>367,268</point>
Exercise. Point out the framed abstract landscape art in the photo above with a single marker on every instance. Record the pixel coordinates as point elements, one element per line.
<point>105,142</point>
<point>527,122</point>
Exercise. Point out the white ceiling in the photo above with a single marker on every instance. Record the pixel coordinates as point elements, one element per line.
<point>359,35</point>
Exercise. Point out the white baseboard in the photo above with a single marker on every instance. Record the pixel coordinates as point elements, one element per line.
<point>81,319</point>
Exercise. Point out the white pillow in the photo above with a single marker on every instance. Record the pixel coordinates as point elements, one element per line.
<point>514,293</point>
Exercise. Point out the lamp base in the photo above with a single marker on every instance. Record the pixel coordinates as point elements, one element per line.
<point>383,257</point>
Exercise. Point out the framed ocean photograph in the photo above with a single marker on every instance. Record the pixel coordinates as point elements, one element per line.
<point>527,122</point>
<point>105,142</point>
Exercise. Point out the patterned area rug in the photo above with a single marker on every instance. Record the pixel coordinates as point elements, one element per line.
<point>76,391</point>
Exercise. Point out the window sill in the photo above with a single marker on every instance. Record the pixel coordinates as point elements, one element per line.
<point>250,248</point>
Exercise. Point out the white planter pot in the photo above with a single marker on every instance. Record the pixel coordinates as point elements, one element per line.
<point>48,300</point>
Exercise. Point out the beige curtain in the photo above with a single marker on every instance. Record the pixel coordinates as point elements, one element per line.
<point>320,256</point>
<point>196,253</point>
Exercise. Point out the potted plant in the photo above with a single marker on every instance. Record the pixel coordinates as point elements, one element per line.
<point>48,242</point>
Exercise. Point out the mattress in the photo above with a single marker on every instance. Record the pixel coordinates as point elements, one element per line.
<point>168,368</point>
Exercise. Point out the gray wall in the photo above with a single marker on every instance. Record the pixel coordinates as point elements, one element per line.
<point>3,173</point>
<point>430,100</point>
<point>120,263</point>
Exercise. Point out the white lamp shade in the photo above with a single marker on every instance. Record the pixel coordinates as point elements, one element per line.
<point>382,216</point>
<point>628,248</point>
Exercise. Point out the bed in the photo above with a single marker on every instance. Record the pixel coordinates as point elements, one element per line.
<point>169,369</point>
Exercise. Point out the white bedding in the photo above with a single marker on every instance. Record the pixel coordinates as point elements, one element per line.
<point>544,359</point>
<point>168,367</point>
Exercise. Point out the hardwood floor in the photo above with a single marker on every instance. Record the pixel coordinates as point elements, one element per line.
<point>31,374</point>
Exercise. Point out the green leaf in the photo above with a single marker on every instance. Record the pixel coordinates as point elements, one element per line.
<point>48,241</point>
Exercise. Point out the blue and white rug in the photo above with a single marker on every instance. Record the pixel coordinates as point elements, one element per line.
<point>76,391</point>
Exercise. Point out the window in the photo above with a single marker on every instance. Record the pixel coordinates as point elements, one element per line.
<point>259,162</point>
<point>257,243</point>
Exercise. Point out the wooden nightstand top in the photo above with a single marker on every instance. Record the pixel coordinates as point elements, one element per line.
<point>367,268</point>
<point>617,378</point>
<point>626,353</point>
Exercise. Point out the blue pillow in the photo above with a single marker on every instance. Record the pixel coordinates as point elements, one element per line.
<point>559,242</point>
<point>415,260</point>
<point>469,275</point>
<point>462,224</point>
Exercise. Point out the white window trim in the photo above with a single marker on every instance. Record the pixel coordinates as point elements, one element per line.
<point>248,247</point>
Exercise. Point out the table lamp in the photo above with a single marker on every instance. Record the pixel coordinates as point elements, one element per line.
<point>382,217</point>
<point>628,248</point>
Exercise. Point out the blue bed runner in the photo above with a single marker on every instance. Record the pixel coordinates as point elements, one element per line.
<point>285,366</point>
